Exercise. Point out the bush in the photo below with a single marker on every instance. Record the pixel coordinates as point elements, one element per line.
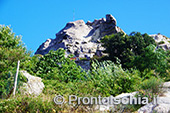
<point>82,89</point>
<point>54,66</point>
<point>152,84</point>
<point>105,79</point>
<point>23,104</point>
<point>150,88</point>
<point>152,59</point>
<point>111,79</point>
<point>161,42</point>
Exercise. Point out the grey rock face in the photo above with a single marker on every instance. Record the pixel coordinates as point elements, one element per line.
<point>80,38</point>
<point>163,102</point>
<point>34,86</point>
<point>162,41</point>
<point>111,107</point>
<point>110,18</point>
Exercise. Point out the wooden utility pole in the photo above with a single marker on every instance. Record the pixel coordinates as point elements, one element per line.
<point>16,77</point>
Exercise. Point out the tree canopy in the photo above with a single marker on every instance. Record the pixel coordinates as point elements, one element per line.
<point>137,51</point>
<point>12,49</point>
<point>125,47</point>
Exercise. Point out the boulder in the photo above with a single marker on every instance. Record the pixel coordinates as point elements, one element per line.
<point>162,106</point>
<point>166,85</point>
<point>163,102</point>
<point>34,85</point>
<point>113,107</point>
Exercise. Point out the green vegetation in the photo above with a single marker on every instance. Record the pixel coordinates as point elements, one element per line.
<point>54,66</point>
<point>110,79</point>
<point>26,104</point>
<point>11,50</point>
<point>148,88</point>
<point>137,51</point>
<point>126,47</point>
<point>161,42</point>
<point>152,59</point>
<point>133,64</point>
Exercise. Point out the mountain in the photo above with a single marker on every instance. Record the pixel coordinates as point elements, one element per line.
<point>83,39</point>
<point>80,38</point>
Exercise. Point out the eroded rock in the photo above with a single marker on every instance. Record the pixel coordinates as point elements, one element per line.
<point>162,41</point>
<point>34,85</point>
<point>80,38</point>
<point>163,102</point>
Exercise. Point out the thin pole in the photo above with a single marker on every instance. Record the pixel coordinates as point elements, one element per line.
<point>16,77</point>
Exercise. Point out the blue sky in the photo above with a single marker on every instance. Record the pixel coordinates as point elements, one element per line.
<point>38,20</point>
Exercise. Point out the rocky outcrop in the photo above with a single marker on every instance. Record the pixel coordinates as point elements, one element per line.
<point>111,107</point>
<point>80,38</point>
<point>83,39</point>
<point>162,41</point>
<point>34,85</point>
<point>163,102</point>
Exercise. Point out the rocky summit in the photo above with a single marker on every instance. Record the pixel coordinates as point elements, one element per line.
<point>80,38</point>
<point>83,39</point>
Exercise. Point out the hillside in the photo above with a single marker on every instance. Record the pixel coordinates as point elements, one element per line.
<point>114,67</point>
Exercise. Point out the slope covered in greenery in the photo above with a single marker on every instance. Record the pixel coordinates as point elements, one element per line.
<point>133,64</point>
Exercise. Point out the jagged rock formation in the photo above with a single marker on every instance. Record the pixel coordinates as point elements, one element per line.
<point>83,39</point>
<point>80,38</point>
<point>34,85</point>
<point>162,41</point>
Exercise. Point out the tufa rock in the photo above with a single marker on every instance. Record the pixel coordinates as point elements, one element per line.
<point>162,41</point>
<point>112,107</point>
<point>110,19</point>
<point>163,102</point>
<point>34,85</point>
<point>80,38</point>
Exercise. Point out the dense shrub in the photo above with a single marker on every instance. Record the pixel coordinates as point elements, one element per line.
<point>27,104</point>
<point>161,42</point>
<point>105,79</point>
<point>81,89</point>
<point>55,66</point>
<point>152,59</point>
<point>125,47</point>
<point>111,79</point>
<point>137,51</point>
<point>153,84</point>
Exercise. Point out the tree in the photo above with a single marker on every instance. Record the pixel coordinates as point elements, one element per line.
<point>126,47</point>
<point>152,59</point>
<point>11,50</point>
